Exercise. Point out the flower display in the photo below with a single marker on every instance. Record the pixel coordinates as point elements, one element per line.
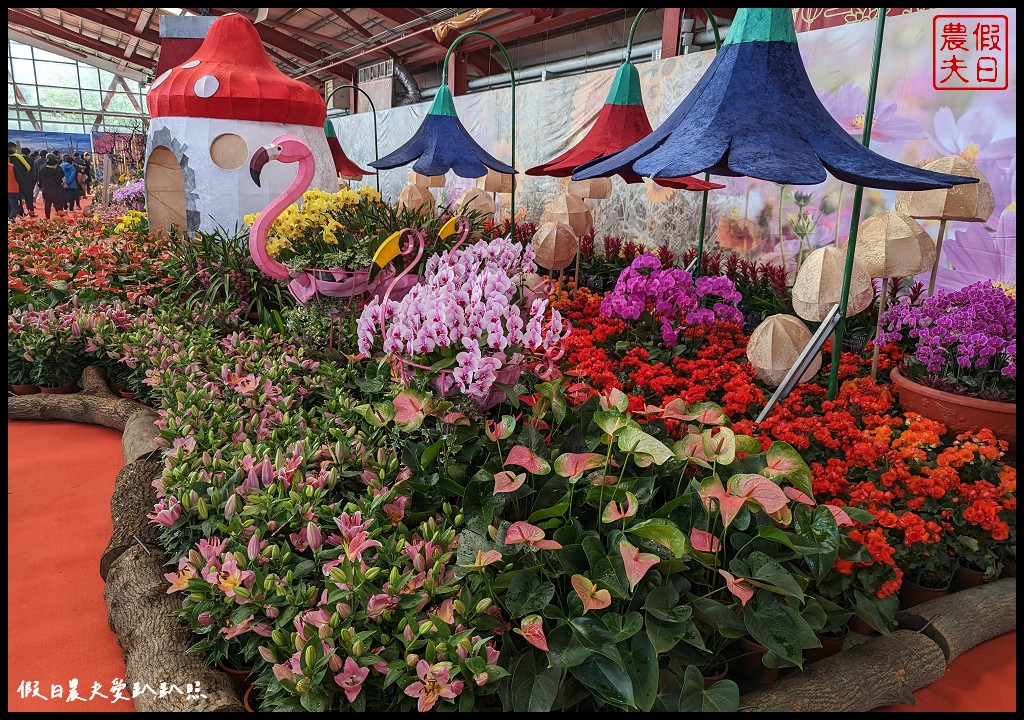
<point>964,342</point>
<point>133,192</point>
<point>467,314</point>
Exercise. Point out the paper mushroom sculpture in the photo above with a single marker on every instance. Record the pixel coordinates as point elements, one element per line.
<point>555,245</point>
<point>774,347</point>
<point>820,281</point>
<point>893,245</point>
<point>475,200</point>
<point>417,198</point>
<point>968,203</point>
<point>209,115</point>
<point>570,210</point>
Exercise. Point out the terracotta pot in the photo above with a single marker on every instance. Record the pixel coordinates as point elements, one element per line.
<point>24,389</point>
<point>965,577</point>
<point>251,699</point>
<point>1009,569</point>
<point>912,594</point>
<point>240,677</point>
<point>66,389</point>
<point>830,645</point>
<point>860,627</point>
<point>958,413</point>
<point>750,662</point>
<point>127,394</point>
<point>710,674</point>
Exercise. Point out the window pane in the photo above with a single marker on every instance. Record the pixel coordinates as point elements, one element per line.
<point>29,93</point>
<point>11,97</point>
<point>121,103</point>
<point>45,55</point>
<point>89,77</point>
<point>23,72</point>
<point>18,50</point>
<point>105,79</point>
<point>59,97</point>
<point>91,99</point>
<point>50,73</point>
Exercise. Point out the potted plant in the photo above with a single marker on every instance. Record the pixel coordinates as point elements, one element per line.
<point>960,362</point>
<point>53,344</point>
<point>19,369</point>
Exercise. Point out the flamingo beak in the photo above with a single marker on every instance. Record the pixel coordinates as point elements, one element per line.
<point>388,251</point>
<point>259,159</point>
<point>448,228</point>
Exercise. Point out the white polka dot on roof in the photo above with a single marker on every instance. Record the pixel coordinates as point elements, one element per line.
<point>206,86</point>
<point>160,79</point>
<point>191,63</point>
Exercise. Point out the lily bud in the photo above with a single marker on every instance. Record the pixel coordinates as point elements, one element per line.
<point>230,506</point>
<point>267,654</point>
<point>483,605</point>
<point>335,663</point>
<point>411,659</point>
<point>314,537</point>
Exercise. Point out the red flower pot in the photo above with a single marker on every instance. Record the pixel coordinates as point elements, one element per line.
<point>912,594</point>
<point>830,645</point>
<point>66,389</point>
<point>964,578</point>
<point>751,665</point>
<point>715,673</point>
<point>860,627</point>
<point>251,699</point>
<point>241,678</point>
<point>958,413</point>
<point>24,389</point>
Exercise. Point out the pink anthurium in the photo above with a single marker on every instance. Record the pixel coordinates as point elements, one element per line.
<point>483,559</point>
<point>793,494</point>
<point>704,541</point>
<point>614,511</point>
<point>501,429</point>
<point>707,413</point>
<point>524,457</point>
<point>729,505</point>
<point>614,400</point>
<point>593,599</point>
<point>508,481</point>
<point>637,563</point>
<point>782,458</point>
<point>691,447</point>
<point>677,410</point>
<point>759,489</point>
<point>738,587</point>
<point>531,627</point>
<point>841,516</point>
<point>572,464</point>
<point>409,406</point>
<point>524,532</point>
<point>604,480</point>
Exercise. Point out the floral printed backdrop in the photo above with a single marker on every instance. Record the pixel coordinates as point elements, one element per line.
<point>914,123</point>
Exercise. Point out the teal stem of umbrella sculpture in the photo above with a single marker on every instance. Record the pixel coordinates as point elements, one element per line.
<point>512,87</point>
<point>697,272</point>
<point>632,31</point>
<point>373,110</point>
<point>858,194</point>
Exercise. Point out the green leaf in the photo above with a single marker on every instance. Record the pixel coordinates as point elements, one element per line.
<point>646,448</point>
<point>549,512</point>
<point>817,528</point>
<point>783,460</point>
<point>526,594</point>
<point>564,649</point>
<point>720,617</point>
<point>663,532</point>
<point>622,627</point>
<point>314,701</point>
<point>778,627</point>
<point>771,574</point>
<point>611,421</point>
<point>723,696</point>
<point>607,681</point>
<point>430,453</point>
<point>534,691</point>
<point>748,445</point>
<point>642,666</point>
<point>609,572</point>
<point>593,635</point>
<point>663,603</point>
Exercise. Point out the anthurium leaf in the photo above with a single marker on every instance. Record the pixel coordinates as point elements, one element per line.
<point>642,666</point>
<point>622,627</point>
<point>594,636</point>
<point>720,617</point>
<point>720,446</point>
<point>765,569</point>
<point>527,595</point>
<point>748,445</point>
<point>723,696</point>
<point>778,627</point>
<point>663,532</point>
<point>609,573</point>
<point>645,448</point>
<point>564,649</point>
<point>783,460</point>
<point>606,680</point>
<point>534,690</point>
<point>669,690</point>
<point>817,528</point>
<point>858,514</point>
<point>666,510</point>
<point>611,421</point>
<point>549,512</point>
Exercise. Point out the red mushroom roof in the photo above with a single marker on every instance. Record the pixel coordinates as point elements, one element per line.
<point>232,77</point>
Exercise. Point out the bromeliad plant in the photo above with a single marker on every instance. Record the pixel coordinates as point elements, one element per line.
<point>619,560</point>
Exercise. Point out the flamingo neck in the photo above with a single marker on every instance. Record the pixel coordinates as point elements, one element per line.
<point>260,228</point>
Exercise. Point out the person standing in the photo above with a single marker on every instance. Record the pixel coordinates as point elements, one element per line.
<point>70,184</point>
<point>51,182</point>
<point>23,173</point>
<point>13,191</point>
<point>79,162</point>
<point>90,172</point>
<point>37,165</point>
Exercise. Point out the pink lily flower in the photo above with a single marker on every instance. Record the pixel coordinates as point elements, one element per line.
<point>507,481</point>
<point>179,580</point>
<point>315,538</point>
<point>524,532</point>
<point>445,611</point>
<point>396,510</point>
<point>433,684</point>
<point>637,563</point>
<point>380,604</point>
<point>531,627</point>
<point>614,511</point>
<point>593,599</point>
<point>231,576</point>
<point>704,541</point>
<point>738,587</point>
<point>350,680</point>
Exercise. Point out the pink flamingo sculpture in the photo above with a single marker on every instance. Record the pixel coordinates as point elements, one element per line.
<point>286,149</point>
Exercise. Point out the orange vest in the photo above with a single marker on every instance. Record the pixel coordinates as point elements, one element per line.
<point>12,181</point>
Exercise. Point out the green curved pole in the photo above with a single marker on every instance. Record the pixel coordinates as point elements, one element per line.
<point>707,176</point>
<point>373,109</point>
<point>632,31</point>
<point>512,76</point>
<point>851,246</point>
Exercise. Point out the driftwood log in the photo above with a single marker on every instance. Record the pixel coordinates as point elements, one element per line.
<point>963,620</point>
<point>144,617</point>
<point>887,670</point>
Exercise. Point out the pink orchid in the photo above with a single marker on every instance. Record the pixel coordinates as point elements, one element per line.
<point>593,599</point>
<point>637,563</point>
<point>524,532</point>
<point>738,587</point>
<point>350,680</point>
<point>483,559</point>
<point>526,458</point>
<point>433,685</point>
<point>704,541</point>
<point>531,627</point>
<point>507,481</point>
<point>614,511</point>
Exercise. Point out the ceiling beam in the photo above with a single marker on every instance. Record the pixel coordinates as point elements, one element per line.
<point>113,53</point>
<point>145,15</point>
<point>114,23</point>
<point>402,16</point>
<point>347,19</point>
<point>113,66</point>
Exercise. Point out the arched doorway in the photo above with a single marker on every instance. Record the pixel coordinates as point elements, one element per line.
<point>165,190</point>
